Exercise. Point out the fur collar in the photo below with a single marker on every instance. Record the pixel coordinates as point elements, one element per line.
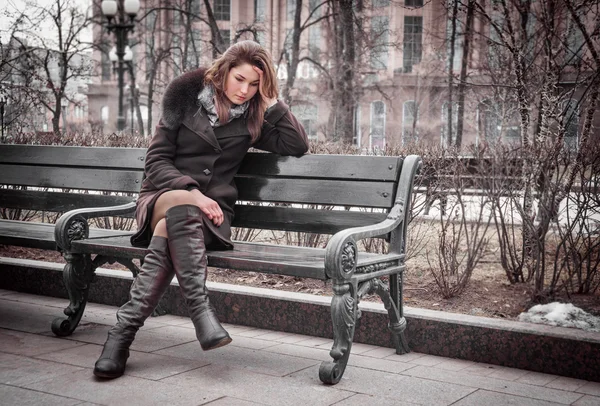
<point>180,96</point>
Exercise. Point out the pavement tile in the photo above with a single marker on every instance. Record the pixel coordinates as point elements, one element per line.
<point>379,352</point>
<point>357,348</point>
<point>536,378</point>
<point>27,317</point>
<point>494,384</point>
<point>4,292</point>
<point>454,364</point>
<point>565,383</point>
<point>127,390</point>
<point>590,388</point>
<point>588,400</point>
<point>230,401</point>
<point>316,342</point>
<point>428,360</point>
<point>253,333</point>
<point>251,343</point>
<point>37,300</point>
<point>281,336</point>
<point>140,364</point>
<point>163,337</point>
<point>12,395</point>
<point>405,357</point>
<point>395,386</point>
<point>18,370</point>
<point>260,362</point>
<point>302,352</point>
<point>484,397</point>
<point>509,374</point>
<point>481,369</point>
<point>362,400</point>
<point>19,343</point>
<point>378,364</point>
<point>263,389</point>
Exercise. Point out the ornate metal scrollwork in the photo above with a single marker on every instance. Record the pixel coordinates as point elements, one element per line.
<point>375,267</point>
<point>348,259</point>
<point>77,230</point>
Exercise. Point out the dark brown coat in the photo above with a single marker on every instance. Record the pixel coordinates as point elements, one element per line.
<point>187,152</point>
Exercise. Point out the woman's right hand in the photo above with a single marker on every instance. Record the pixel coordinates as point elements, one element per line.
<point>209,207</point>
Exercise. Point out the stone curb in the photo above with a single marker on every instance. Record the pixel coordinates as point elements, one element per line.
<point>554,350</point>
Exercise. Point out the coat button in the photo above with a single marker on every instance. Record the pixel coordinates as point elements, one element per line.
<point>207,172</point>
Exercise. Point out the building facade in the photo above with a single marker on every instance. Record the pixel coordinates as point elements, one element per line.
<point>406,87</point>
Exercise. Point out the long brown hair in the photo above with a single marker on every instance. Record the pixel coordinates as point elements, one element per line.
<point>238,54</point>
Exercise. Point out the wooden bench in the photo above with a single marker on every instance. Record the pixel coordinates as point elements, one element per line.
<point>324,194</point>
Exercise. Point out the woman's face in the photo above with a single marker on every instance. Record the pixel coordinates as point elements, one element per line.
<point>241,84</point>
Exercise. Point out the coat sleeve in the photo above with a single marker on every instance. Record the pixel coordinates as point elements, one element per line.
<point>160,168</point>
<point>281,132</point>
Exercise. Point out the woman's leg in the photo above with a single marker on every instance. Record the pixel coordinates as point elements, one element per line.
<point>187,245</point>
<point>146,291</point>
<point>188,252</point>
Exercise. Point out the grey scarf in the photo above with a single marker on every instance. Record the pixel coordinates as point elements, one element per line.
<point>206,99</point>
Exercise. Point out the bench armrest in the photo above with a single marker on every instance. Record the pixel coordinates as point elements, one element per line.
<point>73,225</point>
<point>341,252</point>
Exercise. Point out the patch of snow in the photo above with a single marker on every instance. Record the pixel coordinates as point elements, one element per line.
<point>563,315</point>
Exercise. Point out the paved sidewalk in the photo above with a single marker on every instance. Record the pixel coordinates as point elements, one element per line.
<point>259,367</point>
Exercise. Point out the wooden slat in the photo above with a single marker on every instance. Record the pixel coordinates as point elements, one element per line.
<point>302,220</point>
<point>351,167</point>
<point>126,158</point>
<point>71,178</point>
<point>57,201</point>
<point>39,235</point>
<point>267,258</point>
<point>317,191</point>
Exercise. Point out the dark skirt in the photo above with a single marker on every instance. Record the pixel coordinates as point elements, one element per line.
<point>214,237</point>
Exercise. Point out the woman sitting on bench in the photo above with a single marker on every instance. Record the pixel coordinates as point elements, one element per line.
<point>210,118</point>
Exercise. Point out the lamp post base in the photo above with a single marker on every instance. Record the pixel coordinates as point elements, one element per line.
<point>120,123</point>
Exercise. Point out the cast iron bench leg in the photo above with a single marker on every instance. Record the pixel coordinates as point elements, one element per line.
<point>343,315</point>
<point>396,313</point>
<point>77,276</point>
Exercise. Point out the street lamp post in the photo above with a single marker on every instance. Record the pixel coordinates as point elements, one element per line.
<point>120,25</point>
<point>2,104</point>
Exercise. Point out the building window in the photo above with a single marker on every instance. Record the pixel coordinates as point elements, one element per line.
<point>194,48</point>
<point>495,41</point>
<point>291,9</point>
<point>489,121</point>
<point>413,41</point>
<point>260,8</point>
<point>570,123</point>
<point>261,37</point>
<point>575,43</point>
<point>222,10</point>
<point>458,39</point>
<point>356,138</point>
<point>410,116</point>
<point>195,9</point>
<point>307,116</point>
<point>380,3</point>
<point>445,141</point>
<point>312,7</point>
<point>377,131</point>
<point>314,39</point>
<point>104,114</point>
<point>413,3</point>
<point>226,36</point>
<point>105,61</point>
<point>380,30</point>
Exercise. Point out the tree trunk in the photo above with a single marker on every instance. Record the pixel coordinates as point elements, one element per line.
<point>463,75</point>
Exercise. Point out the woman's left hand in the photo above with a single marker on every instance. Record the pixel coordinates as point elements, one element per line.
<point>268,101</point>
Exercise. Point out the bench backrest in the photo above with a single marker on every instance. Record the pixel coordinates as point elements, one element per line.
<point>275,192</point>
<point>64,178</point>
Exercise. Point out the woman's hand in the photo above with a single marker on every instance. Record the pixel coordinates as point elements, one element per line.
<point>209,207</point>
<point>261,89</point>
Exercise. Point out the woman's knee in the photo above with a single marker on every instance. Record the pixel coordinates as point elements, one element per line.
<point>170,199</point>
<point>161,228</point>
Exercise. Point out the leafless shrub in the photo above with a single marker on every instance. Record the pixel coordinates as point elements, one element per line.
<point>462,234</point>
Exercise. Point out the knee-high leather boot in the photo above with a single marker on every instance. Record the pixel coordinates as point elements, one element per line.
<point>188,252</point>
<point>146,291</point>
